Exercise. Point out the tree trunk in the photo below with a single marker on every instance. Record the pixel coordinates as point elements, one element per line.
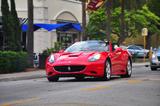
<point>108,21</point>
<point>157,40</point>
<point>148,41</point>
<point>30,37</point>
<point>122,24</point>
<point>84,37</point>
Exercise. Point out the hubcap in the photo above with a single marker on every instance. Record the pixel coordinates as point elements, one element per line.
<point>129,68</point>
<point>108,70</point>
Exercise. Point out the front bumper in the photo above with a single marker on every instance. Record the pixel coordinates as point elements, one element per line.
<point>155,64</point>
<point>94,69</point>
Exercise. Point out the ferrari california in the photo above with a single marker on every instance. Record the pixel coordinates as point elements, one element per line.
<point>93,58</point>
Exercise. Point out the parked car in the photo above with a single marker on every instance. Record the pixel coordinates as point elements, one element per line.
<point>155,60</point>
<point>89,58</point>
<point>123,47</point>
<point>138,51</point>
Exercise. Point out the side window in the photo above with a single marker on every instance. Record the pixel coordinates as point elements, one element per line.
<point>130,47</point>
<point>137,48</point>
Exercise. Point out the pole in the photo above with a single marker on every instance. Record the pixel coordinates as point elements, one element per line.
<point>83,20</point>
<point>144,48</point>
<point>144,34</point>
<point>30,37</point>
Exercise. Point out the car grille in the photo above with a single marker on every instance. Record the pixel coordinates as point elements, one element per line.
<point>158,58</point>
<point>74,68</point>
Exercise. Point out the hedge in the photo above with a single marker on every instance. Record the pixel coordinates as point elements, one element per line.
<point>11,61</point>
<point>43,56</point>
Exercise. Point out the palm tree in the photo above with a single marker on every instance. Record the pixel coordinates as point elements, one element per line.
<point>84,37</point>
<point>30,37</point>
<point>108,21</point>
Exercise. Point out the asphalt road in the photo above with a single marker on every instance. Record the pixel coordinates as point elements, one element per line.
<point>142,89</point>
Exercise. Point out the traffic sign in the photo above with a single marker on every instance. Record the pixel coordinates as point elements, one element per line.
<point>94,4</point>
<point>144,32</point>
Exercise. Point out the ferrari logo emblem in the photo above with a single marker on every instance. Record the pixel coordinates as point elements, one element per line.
<point>69,68</point>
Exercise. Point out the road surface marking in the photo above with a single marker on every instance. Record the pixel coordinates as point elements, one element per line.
<point>23,101</point>
<point>134,81</point>
<point>98,87</point>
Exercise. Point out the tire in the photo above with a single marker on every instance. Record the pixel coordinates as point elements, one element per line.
<point>153,68</point>
<point>53,79</point>
<point>80,78</point>
<point>107,71</point>
<point>128,70</point>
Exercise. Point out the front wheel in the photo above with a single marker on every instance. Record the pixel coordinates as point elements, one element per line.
<point>53,79</point>
<point>128,70</point>
<point>153,68</point>
<point>107,71</point>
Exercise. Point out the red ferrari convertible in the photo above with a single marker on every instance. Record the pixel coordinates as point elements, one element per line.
<point>89,58</point>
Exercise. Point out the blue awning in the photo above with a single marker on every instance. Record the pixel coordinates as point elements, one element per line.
<point>50,27</point>
<point>77,26</point>
<point>25,27</point>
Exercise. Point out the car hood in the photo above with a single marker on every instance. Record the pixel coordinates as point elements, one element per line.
<point>157,53</point>
<point>143,50</point>
<point>77,56</point>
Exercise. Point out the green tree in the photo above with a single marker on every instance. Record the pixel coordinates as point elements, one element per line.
<point>7,27</point>
<point>154,6</point>
<point>16,26</point>
<point>153,23</point>
<point>97,24</point>
<point>135,21</point>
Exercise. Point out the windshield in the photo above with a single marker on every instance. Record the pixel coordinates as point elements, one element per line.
<point>158,50</point>
<point>88,46</point>
<point>135,47</point>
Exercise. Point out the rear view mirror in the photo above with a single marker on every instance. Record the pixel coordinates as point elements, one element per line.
<point>118,49</point>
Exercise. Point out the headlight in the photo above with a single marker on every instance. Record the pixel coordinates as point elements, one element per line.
<point>94,57</point>
<point>154,56</point>
<point>51,59</point>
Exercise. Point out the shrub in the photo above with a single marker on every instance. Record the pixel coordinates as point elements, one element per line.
<point>43,56</point>
<point>11,61</point>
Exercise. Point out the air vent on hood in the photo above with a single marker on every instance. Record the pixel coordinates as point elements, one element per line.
<point>73,55</point>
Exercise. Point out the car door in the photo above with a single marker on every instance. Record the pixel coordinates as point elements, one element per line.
<point>116,59</point>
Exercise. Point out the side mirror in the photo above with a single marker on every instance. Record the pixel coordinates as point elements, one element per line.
<point>118,49</point>
<point>61,51</point>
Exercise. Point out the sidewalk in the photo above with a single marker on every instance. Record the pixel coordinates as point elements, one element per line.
<point>40,73</point>
<point>140,64</point>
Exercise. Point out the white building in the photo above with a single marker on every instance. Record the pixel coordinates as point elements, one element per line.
<point>51,11</point>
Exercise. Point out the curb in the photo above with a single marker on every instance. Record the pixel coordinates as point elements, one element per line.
<point>147,64</point>
<point>21,78</point>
